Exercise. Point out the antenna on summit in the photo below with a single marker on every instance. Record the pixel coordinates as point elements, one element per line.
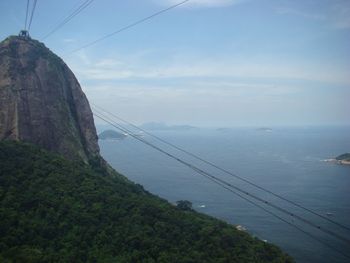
<point>24,34</point>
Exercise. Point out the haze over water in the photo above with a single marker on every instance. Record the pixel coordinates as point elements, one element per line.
<point>288,161</point>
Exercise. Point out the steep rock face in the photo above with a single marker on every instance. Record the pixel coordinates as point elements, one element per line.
<point>41,101</point>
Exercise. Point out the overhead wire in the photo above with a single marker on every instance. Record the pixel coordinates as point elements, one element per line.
<point>224,170</point>
<point>232,188</point>
<point>32,15</point>
<point>284,220</point>
<point>209,163</point>
<point>201,171</point>
<point>129,26</point>
<point>73,14</point>
<point>26,20</point>
<point>222,183</point>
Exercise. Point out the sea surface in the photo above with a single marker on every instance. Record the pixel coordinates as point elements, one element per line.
<point>287,160</point>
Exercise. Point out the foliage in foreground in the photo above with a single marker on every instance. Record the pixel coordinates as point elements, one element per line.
<point>54,210</point>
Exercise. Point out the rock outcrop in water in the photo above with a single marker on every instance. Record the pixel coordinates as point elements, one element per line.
<point>42,102</point>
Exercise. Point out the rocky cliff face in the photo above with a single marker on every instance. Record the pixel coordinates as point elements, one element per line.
<point>41,101</point>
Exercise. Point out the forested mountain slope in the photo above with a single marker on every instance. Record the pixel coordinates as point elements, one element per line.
<point>55,210</point>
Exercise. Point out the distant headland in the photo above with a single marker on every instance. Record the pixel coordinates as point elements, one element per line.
<point>264,129</point>
<point>343,159</point>
<point>111,135</point>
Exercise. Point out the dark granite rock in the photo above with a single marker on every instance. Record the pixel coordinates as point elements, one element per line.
<point>42,102</point>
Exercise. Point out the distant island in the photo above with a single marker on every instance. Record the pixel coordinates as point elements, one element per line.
<point>111,135</point>
<point>343,158</point>
<point>223,129</point>
<point>160,126</point>
<point>264,129</point>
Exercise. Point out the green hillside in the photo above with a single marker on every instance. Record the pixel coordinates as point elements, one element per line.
<point>54,210</point>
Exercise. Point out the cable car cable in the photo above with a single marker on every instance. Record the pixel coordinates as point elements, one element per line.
<point>224,170</point>
<point>201,171</point>
<point>223,183</point>
<point>129,26</point>
<point>32,15</point>
<point>73,14</point>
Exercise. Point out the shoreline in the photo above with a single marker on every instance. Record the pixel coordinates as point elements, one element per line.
<point>341,162</point>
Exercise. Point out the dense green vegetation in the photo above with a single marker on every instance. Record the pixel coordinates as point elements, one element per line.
<point>343,157</point>
<point>55,210</point>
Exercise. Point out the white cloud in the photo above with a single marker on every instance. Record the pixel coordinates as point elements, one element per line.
<point>222,103</point>
<point>202,101</point>
<point>109,63</point>
<point>292,11</point>
<point>201,3</point>
<point>69,40</point>
<point>118,69</point>
<point>337,16</point>
<point>341,16</point>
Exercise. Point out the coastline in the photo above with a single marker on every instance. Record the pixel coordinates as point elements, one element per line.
<point>341,162</point>
<point>344,162</point>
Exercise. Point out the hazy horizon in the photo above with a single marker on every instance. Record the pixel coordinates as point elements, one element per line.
<point>102,126</point>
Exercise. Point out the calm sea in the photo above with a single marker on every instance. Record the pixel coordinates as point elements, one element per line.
<point>287,161</point>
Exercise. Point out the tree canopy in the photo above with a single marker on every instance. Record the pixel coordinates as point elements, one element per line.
<point>56,210</point>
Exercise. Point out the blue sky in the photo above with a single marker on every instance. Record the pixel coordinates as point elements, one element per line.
<point>221,63</point>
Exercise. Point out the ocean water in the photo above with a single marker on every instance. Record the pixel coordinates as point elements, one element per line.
<point>287,161</point>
